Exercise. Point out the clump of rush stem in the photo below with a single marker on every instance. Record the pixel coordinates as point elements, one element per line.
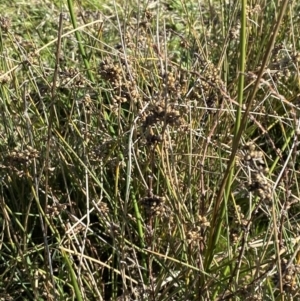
<point>149,151</point>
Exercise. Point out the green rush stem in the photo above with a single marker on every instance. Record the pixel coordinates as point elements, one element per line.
<point>218,216</point>
<point>220,204</point>
<point>79,40</point>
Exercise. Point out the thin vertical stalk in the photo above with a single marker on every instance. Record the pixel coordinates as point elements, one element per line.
<point>79,40</point>
<point>227,179</point>
<point>219,209</point>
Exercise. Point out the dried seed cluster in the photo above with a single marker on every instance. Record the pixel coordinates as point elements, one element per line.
<point>289,274</point>
<point>158,114</point>
<point>289,279</point>
<point>238,222</point>
<point>103,207</point>
<point>155,118</point>
<point>209,87</point>
<point>121,77</point>
<point>4,79</point>
<point>258,183</point>
<point>71,77</point>
<point>103,150</point>
<point>153,205</point>
<point>5,23</point>
<point>55,209</point>
<point>282,67</point>
<point>254,297</point>
<point>194,234</point>
<point>18,157</point>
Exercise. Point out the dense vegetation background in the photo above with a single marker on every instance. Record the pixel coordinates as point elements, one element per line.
<point>149,150</point>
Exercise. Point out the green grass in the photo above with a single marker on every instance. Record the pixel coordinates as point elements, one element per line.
<point>149,151</point>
